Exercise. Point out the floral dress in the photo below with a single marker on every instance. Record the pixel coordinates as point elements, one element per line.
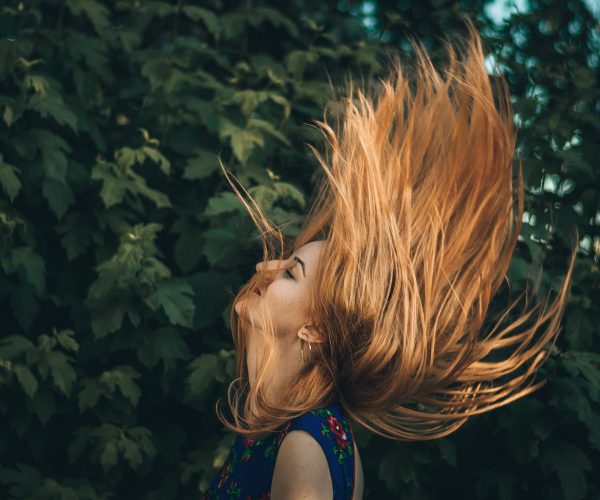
<point>248,470</point>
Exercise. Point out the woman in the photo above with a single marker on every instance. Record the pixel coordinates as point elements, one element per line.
<point>373,314</point>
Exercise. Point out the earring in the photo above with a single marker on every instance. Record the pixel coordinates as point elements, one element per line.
<point>302,348</point>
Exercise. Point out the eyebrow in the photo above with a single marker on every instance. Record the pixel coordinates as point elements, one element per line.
<point>302,264</point>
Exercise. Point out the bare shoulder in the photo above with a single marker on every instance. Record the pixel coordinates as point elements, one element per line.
<point>301,469</point>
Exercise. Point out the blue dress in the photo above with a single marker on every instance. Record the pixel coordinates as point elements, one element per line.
<point>248,471</point>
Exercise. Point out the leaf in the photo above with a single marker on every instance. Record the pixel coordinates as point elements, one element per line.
<point>249,100</point>
<point>48,100</point>
<point>124,379</point>
<point>59,196</point>
<point>284,189</point>
<point>578,329</point>
<point>217,244</point>
<point>201,165</point>
<point>242,141</point>
<point>107,320</point>
<point>24,305</point>
<point>210,20</point>
<point>25,476</point>
<point>275,17</point>
<point>97,13</point>
<point>569,463</point>
<point>57,364</point>
<point>131,453</point>
<point>44,404</point>
<point>33,265</point>
<point>222,203</point>
<point>284,103</point>
<point>163,344</point>
<point>89,395</point>
<point>78,231</point>
<point>65,338</point>
<point>26,379</point>
<point>9,180</point>
<point>53,149</point>
<point>265,126</point>
<point>448,451</point>
<point>187,246</point>
<point>14,346</point>
<point>175,298</point>
<point>109,455</point>
<point>297,60</point>
<point>203,373</point>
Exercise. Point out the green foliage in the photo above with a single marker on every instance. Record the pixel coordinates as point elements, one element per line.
<point>121,245</point>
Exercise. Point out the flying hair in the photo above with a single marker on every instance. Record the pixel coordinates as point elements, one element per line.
<point>415,203</point>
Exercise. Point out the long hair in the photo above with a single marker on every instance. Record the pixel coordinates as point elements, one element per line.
<point>415,203</point>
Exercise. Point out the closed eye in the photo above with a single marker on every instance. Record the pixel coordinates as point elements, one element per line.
<point>287,271</point>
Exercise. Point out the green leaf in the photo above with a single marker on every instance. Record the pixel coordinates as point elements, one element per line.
<point>297,60</point>
<point>48,100</point>
<point>218,244</point>
<point>163,344</point>
<point>35,269</point>
<point>97,13</point>
<point>221,203</point>
<point>201,165</point>
<point>9,180</point>
<point>276,18</point>
<point>578,329</point>
<point>14,346</point>
<point>265,126</point>
<point>203,373</point>
<point>108,319</point>
<point>243,141</point>
<point>44,404</point>
<point>57,364</point>
<point>210,20</point>
<point>78,231</point>
<point>570,463</point>
<point>65,339</point>
<point>124,379</point>
<point>26,379</point>
<point>284,189</point>
<point>131,453</point>
<point>59,195</point>
<point>89,395</point>
<point>109,455</point>
<point>54,149</point>
<point>25,476</point>
<point>174,296</point>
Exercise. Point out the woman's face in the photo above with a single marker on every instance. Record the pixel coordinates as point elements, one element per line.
<point>286,301</point>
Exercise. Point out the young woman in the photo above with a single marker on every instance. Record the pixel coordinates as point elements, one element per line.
<point>373,314</point>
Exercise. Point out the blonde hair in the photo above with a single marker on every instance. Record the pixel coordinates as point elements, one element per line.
<point>415,202</point>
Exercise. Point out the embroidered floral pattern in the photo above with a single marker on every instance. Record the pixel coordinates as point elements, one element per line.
<point>337,428</point>
<point>227,469</point>
<point>249,446</point>
<point>234,490</point>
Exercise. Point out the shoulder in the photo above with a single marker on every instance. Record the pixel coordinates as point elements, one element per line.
<point>301,469</point>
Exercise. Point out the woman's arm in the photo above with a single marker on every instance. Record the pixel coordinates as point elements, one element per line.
<point>301,470</point>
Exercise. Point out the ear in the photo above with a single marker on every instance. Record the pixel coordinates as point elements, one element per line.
<point>311,333</point>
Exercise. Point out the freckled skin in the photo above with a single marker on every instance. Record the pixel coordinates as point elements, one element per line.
<point>287,302</point>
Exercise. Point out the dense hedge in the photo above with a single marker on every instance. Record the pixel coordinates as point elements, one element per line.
<point>121,245</point>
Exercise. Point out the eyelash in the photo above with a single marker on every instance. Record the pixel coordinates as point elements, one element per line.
<point>287,271</point>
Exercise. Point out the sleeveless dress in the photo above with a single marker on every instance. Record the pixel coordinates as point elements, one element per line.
<point>248,471</point>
